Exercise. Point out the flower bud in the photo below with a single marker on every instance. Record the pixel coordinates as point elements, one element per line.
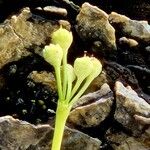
<point>53,54</point>
<point>83,67</point>
<point>97,67</point>
<point>62,37</point>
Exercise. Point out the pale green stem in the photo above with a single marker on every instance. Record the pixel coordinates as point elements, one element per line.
<point>58,79</point>
<point>62,114</point>
<point>77,85</point>
<point>64,75</point>
<point>82,90</point>
<point>69,88</point>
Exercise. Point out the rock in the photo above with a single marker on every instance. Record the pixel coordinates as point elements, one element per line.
<point>129,42</point>
<point>21,33</point>
<point>93,25</point>
<point>115,137</point>
<point>92,108</point>
<point>122,141</point>
<point>73,140</point>
<point>138,30</point>
<point>128,104</point>
<point>132,144</point>
<point>45,78</point>
<point>55,10</point>
<point>143,76</point>
<point>147,49</point>
<point>142,120</point>
<point>145,138</point>
<point>17,134</point>
<point>115,71</point>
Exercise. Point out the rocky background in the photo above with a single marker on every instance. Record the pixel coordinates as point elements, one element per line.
<point>114,113</point>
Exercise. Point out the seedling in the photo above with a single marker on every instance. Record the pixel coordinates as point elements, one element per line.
<point>83,72</point>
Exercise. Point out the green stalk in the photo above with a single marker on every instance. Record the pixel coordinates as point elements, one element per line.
<point>69,90</point>
<point>77,85</point>
<point>64,75</point>
<point>82,90</point>
<point>62,114</point>
<point>58,79</point>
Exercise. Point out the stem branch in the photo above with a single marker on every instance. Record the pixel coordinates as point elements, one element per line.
<point>62,112</point>
<point>58,79</point>
<point>64,75</point>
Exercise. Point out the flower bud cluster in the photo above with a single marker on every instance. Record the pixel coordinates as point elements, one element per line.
<point>84,70</point>
<point>72,81</point>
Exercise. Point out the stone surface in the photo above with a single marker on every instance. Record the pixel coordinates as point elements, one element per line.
<point>138,30</point>
<point>128,104</point>
<point>23,32</point>
<point>93,25</point>
<point>128,41</point>
<point>142,120</point>
<point>73,140</point>
<point>145,138</point>
<point>16,134</point>
<point>45,78</point>
<point>55,10</point>
<point>115,137</point>
<point>115,71</point>
<point>92,108</point>
<point>122,141</point>
<point>143,75</point>
<point>132,144</point>
<point>147,49</point>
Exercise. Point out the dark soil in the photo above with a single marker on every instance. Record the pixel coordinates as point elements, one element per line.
<point>23,98</point>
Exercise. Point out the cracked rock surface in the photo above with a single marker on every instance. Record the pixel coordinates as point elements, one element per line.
<point>128,104</point>
<point>19,34</point>
<point>139,30</point>
<point>16,134</point>
<point>93,25</point>
<point>122,141</point>
<point>92,108</point>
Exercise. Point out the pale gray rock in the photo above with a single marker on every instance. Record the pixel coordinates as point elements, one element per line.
<point>128,41</point>
<point>16,134</point>
<point>132,144</point>
<point>128,104</point>
<point>147,49</point>
<point>145,138</point>
<point>56,10</point>
<point>93,108</point>
<point>142,120</point>
<point>93,25</point>
<point>73,140</point>
<point>20,135</point>
<point>19,33</point>
<point>45,78</point>
<point>115,137</point>
<point>138,30</point>
<point>121,141</point>
<point>53,10</point>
